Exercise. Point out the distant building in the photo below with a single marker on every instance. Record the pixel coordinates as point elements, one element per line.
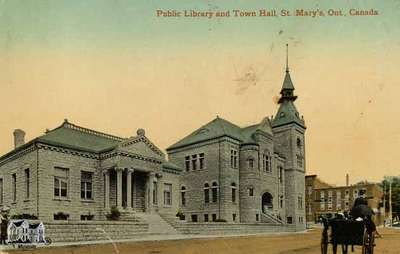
<point>323,199</point>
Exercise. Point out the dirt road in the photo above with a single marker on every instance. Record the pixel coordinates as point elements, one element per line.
<point>304,243</point>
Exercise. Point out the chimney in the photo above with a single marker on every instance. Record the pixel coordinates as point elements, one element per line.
<point>347,180</point>
<point>19,138</point>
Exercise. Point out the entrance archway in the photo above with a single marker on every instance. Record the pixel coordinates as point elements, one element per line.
<point>266,202</point>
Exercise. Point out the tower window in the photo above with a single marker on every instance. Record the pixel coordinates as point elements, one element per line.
<point>234,158</point>
<point>201,160</point>
<point>183,195</point>
<point>194,162</point>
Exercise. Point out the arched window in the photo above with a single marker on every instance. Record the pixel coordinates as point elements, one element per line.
<point>214,190</point>
<point>233,187</point>
<point>183,195</point>
<point>206,193</point>
<point>250,163</point>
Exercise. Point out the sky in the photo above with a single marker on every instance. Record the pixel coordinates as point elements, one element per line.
<point>114,66</point>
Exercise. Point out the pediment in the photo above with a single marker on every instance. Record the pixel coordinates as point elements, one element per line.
<point>142,146</point>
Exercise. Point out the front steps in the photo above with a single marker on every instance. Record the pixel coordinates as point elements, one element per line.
<point>157,225</point>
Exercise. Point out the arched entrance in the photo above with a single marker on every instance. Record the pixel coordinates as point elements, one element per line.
<point>266,202</point>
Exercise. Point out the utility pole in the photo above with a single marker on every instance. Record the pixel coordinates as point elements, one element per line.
<point>390,203</point>
<point>384,203</point>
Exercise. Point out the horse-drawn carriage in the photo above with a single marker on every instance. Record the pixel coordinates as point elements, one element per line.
<point>347,232</point>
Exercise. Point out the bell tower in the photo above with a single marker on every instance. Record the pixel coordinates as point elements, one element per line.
<point>289,129</point>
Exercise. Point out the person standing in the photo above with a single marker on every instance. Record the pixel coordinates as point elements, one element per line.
<point>3,228</point>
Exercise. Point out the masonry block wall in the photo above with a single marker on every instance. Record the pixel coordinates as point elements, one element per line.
<point>72,205</point>
<point>25,199</point>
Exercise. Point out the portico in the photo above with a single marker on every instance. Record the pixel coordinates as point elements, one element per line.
<point>130,189</point>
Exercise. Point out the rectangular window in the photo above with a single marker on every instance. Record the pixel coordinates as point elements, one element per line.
<point>14,187</point>
<point>205,217</point>
<point>201,161</point>
<point>257,217</point>
<point>234,217</point>
<point>155,191</point>
<point>27,182</point>
<point>167,194</point>
<point>281,201</point>
<point>214,217</point>
<point>233,195</point>
<point>87,217</point>
<point>234,159</point>
<point>194,217</point>
<point>1,191</point>
<point>251,192</point>
<point>194,162</point>
<point>289,220</point>
<point>187,163</point>
<point>86,185</point>
<point>280,174</point>
<point>299,161</point>
<point>300,202</point>
<point>61,182</point>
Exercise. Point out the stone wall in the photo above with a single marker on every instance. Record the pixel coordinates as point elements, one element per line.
<point>94,230</point>
<point>17,164</point>
<point>232,228</point>
<point>73,205</point>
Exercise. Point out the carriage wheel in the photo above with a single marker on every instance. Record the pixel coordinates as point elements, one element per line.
<point>324,243</point>
<point>344,248</point>
<point>368,243</point>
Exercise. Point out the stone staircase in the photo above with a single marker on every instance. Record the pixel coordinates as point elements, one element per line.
<point>270,218</point>
<point>129,216</point>
<point>157,224</point>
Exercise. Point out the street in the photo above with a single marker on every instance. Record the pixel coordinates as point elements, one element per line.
<point>299,243</point>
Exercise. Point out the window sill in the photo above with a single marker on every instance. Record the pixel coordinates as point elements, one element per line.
<point>62,199</point>
<point>27,200</point>
<point>167,206</point>
<point>88,201</point>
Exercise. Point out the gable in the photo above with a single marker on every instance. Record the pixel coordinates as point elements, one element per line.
<point>141,146</point>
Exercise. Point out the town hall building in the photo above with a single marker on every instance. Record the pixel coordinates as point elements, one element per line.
<point>220,172</point>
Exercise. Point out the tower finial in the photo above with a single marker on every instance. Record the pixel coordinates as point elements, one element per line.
<point>287,57</point>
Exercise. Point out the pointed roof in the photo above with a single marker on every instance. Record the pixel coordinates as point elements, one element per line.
<point>216,128</point>
<point>287,82</point>
<point>287,113</point>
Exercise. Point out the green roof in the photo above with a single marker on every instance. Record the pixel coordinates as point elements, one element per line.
<point>216,128</point>
<point>72,136</point>
<point>287,113</point>
<point>220,127</point>
<point>287,82</point>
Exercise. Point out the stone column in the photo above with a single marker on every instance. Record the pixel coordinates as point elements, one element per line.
<point>150,187</point>
<point>129,188</point>
<point>119,187</point>
<point>106,190</point>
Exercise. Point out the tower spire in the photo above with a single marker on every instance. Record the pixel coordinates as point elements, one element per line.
<point>287,57</point>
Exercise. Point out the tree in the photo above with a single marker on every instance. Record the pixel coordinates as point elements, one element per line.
<point>395,195</point>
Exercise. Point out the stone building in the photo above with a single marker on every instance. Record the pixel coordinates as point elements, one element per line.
<point>74,173</point>
<point>245,174</point>
<point>323,199</point>
<point>221,171</point>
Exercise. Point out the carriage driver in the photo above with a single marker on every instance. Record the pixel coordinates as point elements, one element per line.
<point>361,211</point>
